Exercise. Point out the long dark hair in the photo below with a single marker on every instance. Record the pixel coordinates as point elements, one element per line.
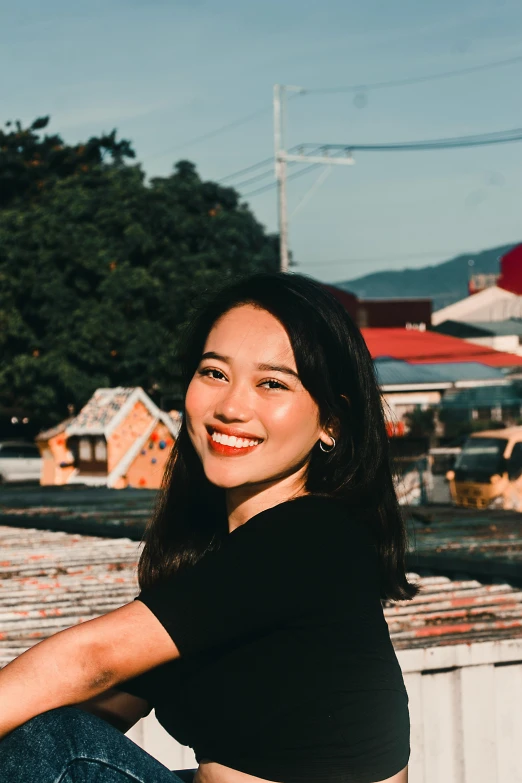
<point>336,368</point>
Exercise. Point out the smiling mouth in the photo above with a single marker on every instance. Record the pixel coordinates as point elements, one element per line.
<point>233,447</point>
<point>242,438</point>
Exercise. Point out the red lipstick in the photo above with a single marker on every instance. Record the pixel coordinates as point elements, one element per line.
<point>230,451</point>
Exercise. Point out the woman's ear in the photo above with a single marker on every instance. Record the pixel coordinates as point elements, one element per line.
<point>332,428</point>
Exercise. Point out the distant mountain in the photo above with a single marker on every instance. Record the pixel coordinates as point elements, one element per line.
<point>444,283</point>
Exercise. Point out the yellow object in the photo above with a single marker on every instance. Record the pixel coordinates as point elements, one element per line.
<point>488,471</point>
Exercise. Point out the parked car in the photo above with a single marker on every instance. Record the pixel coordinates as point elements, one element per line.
<point>488,471</point>
<point>19,461</point>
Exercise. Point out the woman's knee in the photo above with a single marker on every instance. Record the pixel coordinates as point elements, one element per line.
<point>41,748</point>
<point>56,731</point>
<point>57,722</point>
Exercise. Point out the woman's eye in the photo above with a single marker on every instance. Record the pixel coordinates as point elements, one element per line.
<point>209,370</point>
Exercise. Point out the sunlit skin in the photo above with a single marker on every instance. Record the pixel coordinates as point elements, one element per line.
<point>274,406</point>
<point>271,405</point>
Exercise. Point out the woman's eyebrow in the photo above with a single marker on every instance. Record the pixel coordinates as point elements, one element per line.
<point>265,367</point>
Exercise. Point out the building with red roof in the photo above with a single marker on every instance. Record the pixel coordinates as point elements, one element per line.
<point>425,347</point>
<point>414,369</point>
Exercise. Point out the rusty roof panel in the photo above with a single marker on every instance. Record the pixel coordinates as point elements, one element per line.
<point>453,612</point>
<point>50,581</point>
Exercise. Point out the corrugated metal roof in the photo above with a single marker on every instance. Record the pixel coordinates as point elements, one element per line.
<point>482,397</point>
<point>397,372</point>
<point>429,347</point>
<point>500,328</point>
<point>485,542</point>
<point>467,371</point>
<point>50,581</point>
<point>461,329</point>
<point>455,612</point>
<point>467,329</point>
<point>440,531</point>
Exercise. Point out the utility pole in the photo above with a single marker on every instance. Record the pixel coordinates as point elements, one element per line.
<point>280,172</point>
<point>282,157</point>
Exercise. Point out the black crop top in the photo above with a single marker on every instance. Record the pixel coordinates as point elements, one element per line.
<point>287,671</point>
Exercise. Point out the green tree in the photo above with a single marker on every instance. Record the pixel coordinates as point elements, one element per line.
<point>99,269</point>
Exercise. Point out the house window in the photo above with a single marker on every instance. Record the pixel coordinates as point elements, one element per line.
<point>100,450</point>
<point>85,450</point>
<point>92,454</point>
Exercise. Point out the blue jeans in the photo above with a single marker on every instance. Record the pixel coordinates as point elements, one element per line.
<point>68,745</point>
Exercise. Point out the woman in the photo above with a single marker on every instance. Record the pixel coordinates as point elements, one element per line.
<point>258,636</point>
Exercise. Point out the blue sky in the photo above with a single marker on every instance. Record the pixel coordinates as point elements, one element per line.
<point>164,72</point>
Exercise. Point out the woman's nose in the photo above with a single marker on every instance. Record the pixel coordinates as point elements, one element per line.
<point>234,401</point>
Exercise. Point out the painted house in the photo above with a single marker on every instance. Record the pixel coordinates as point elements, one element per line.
<point>57,459</point>
<point>119,439</point>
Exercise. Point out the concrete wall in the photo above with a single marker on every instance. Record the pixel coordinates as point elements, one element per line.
<point>465,709</point>
<point>466,712</point>
<point>153,738</point>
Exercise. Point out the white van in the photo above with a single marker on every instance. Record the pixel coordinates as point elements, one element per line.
<point>19,461</point>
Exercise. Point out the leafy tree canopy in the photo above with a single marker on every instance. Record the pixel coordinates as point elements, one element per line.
<point>98,268</point>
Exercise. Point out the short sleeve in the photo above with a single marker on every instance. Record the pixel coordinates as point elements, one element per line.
<point>255,581</point>
<point>138,686</point>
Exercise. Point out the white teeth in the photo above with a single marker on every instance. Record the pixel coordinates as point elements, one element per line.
<point>238,443</point>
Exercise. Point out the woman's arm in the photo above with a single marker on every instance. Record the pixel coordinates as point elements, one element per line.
<point>79,664</point>
<point>121,710</point>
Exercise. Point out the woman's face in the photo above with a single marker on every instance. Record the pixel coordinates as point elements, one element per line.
<point>232,391</point>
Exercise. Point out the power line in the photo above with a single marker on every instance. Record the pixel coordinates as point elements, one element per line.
<point>273,184</point>
<point>496,137</point>
<point>309,193</point>
<point>482,139</point>
<point>210,134</point>
<point>477,140</point>
<point>247,169</point>
<point>257,178</point>
<point>415,79</point>
<point>251,180</point>
<point>244,119</point>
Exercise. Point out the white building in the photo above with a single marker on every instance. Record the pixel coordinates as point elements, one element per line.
<point>491,304</point>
